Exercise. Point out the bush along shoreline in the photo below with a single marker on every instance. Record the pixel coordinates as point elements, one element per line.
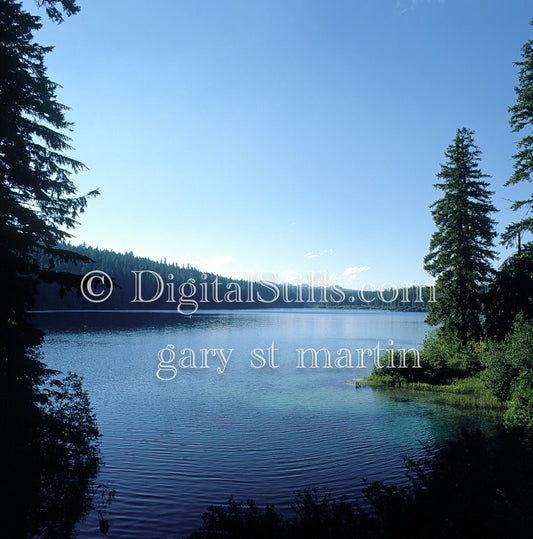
<point>488,376</point>
<point>472,486</point>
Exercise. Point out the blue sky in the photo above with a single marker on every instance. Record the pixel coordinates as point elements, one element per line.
<point>285,136</point>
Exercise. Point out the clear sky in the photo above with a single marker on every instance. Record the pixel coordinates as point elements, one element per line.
<point>283,135</point>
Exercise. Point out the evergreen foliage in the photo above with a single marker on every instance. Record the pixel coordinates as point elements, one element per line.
<point>120,267</point>
<point>461,249</point>
<point>521,121</point>
<point>509,294</point>
<point>50,448</point>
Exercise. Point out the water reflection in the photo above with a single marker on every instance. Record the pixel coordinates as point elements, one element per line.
<point>172,448</point>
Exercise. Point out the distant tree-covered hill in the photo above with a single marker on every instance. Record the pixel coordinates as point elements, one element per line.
<point>141,283</point>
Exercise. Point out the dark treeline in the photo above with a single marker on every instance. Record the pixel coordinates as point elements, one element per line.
<point>166,286</point>
<point>50,450</point>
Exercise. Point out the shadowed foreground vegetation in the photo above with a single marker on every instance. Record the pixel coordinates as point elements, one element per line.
<point>473,484</point>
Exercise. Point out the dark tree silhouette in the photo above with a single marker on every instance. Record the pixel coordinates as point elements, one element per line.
<point>461,249</point>
<point>510,293</point>
<point>522,122</point>
<point>50,449</point>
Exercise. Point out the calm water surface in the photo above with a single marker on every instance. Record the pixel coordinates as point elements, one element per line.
<point>171,448</point>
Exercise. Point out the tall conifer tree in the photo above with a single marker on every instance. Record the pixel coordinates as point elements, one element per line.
<point>522,122</point>
<point>461,249</point>
<point>49,451</point>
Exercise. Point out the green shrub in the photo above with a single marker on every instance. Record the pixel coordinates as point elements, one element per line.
<point>509,364</point>
<point>520,411</point>
<point>444,357</point>
<point>397,375</point>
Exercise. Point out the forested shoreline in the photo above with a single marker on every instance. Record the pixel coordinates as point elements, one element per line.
<point>203,290</point>
<point>483,337</point>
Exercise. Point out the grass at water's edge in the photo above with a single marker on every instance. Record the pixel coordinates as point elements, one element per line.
<point>458,392</point>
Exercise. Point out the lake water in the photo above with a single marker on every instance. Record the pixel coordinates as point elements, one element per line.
<point>172,447</point>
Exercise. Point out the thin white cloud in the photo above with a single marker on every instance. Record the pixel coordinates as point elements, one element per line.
<point>219,264</point>
<point>353,272</point>
<point>310,278</point>
<point>315,254</point>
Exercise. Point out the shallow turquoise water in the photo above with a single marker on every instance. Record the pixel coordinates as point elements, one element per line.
<point>171,448</point>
